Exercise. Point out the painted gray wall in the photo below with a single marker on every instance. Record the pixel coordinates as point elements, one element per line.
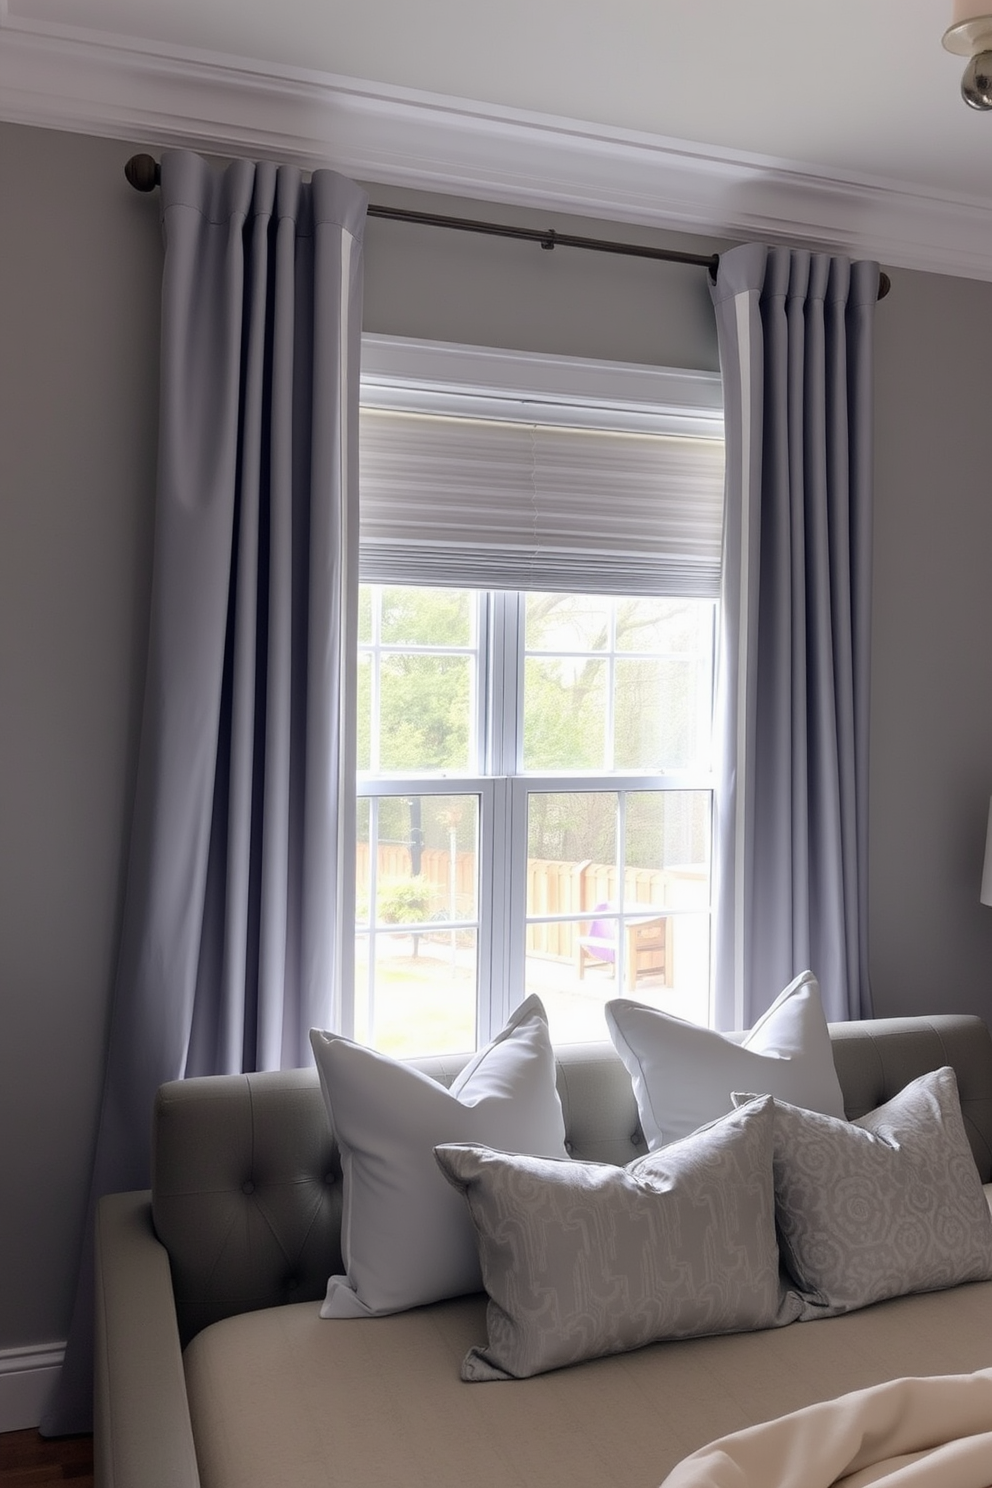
<point>80,262</point>
<point>79,280</point>
<point>453,286</point>
<point>931,776</point>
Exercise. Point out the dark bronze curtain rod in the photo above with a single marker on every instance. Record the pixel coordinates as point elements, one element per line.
<point>143,173</point>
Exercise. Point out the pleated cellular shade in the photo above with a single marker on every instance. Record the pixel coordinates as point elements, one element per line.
<point>483,503</point>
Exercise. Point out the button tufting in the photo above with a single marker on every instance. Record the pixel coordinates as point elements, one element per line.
<point>292,1282</point>
<point>330,1179</point>
<point>247,1187</point>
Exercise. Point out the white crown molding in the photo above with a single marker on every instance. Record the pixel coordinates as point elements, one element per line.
<point>69,79</point>
<point>27,1377</point>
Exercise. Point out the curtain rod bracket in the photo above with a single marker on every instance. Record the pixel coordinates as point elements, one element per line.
<point>144,173</point>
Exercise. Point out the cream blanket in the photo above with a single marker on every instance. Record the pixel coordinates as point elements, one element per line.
<point>908,1433</point>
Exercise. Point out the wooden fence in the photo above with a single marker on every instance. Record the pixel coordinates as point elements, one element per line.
<point>394,866</point>
<point>553,888</point>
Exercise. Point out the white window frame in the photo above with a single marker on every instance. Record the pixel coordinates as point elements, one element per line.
<point>405,373</point>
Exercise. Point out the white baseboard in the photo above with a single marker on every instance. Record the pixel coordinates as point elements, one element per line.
<point>27,1376</point>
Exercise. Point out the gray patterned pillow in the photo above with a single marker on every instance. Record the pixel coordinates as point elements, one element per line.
<point>583,1259</point>
<point>889,1204</point>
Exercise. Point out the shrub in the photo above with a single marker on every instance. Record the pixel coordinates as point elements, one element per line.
<point>403,901</point>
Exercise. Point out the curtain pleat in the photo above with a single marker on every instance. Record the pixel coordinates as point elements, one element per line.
<point>795,332</point>
<point>238,877</point>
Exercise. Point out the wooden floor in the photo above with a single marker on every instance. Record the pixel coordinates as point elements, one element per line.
<point>27,1460</point>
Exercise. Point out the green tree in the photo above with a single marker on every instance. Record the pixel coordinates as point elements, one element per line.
<point>424,697</point>
<point>424,717</point>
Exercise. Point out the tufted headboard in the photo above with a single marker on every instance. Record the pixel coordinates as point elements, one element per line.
<point>246,1186</point>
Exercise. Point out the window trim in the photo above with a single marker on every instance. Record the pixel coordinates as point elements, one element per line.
<point>401,372</point>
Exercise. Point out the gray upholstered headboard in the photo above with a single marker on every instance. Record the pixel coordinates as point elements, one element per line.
<point>247,1178</point>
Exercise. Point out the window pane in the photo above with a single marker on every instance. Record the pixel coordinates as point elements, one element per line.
<point>630,688</point>
<point>668,847</point>
<point>416,706</point>
<point>425,712</point>
<point>427,617</point>
<point>416,971</point>
<point>565,714</point>
<point>567,622</point>
<point>597,930</point>
<point>568,831</point>
<point>663,703</point>
<point>427,860</point>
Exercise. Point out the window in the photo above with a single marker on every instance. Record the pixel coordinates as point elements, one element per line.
<point>535,782</point>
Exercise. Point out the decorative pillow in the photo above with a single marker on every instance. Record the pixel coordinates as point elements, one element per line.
<point>583,1259</point>
<point>683,1075</point>
<point>888,1204</point>
<point>406,1237</point>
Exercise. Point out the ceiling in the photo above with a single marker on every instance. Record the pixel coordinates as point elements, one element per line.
<point>828,120</point>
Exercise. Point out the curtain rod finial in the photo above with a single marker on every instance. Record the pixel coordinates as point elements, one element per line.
<point>142,172</point>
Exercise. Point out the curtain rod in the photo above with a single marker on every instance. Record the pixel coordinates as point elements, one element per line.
<point>144,174</point>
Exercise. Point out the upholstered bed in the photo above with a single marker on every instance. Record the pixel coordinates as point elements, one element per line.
<point>215,1367</point>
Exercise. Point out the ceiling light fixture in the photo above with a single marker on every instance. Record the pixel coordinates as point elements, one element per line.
<point>970,35</point>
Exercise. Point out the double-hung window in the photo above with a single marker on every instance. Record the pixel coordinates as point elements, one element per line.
<point>537,616</point>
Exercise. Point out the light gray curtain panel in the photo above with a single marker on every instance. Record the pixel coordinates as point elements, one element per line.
<point>795,333</point>
<point>236,934</point>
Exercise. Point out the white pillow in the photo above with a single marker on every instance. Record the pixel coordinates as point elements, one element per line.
<point>406,1235</point>
<point>684,1075</point>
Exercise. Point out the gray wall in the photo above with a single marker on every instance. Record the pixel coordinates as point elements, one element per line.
<point>79,275</point>
<point>931,940</point>
<point>79,270</point>
<point>453,286</point>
